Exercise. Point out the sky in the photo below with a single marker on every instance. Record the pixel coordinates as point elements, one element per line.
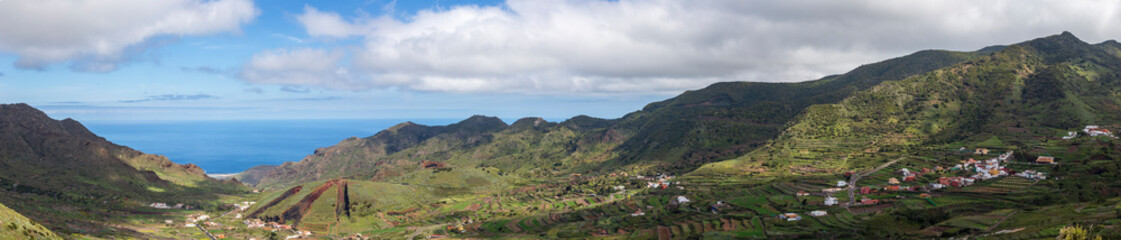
<point>349,59</point>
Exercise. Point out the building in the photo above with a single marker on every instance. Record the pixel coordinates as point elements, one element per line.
<point>1006,156</point>
<point>818,213</point>
<point>868,201</point>
<point>937,186</point>
<point>791,217</point>
<point>1044,159</point>
<point>893,181</point>
<point>981,151</point>
<point>830,200</point>
<point>801,193</point>
<point>1094,131</point>
<point>1032,174</point>
<point>865,190</point>
<point>1070,135</point>
<point>680,200</point>
<point>842,183</point>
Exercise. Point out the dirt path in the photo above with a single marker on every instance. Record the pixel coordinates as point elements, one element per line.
<point>856,177</point>
<point>420,230</point>
<point>207,232</point>
<point>1006,217</point>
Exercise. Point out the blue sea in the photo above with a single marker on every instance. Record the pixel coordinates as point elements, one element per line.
<point>235,145</point>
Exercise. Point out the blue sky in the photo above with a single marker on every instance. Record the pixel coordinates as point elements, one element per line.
<point>243,59</point>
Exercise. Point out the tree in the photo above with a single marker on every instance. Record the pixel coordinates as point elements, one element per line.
<point>273,236</point>
<point>1076,232</point>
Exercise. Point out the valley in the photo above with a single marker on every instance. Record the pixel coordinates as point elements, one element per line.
<point>1007,142</point>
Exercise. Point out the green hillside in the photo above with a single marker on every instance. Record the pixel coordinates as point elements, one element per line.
<point>676,135</point>
<point>732,118</point>
<point>1042,87</point>
<point>15,226</point>
<point>779,148</point>
<point>908,148</point>
<point>60,174</point>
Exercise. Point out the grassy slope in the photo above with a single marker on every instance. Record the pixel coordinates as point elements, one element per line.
<point>65,177</point>
<point>1040,86</point>
<point>1000,101</point>
<point>722,121</point>
<point>729,119</point>
<point>15,226</point>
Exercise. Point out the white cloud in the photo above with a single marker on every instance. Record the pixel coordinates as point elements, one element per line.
<point>304,67</point>
<point>645,46</point>
<point>99,35</point>
<point>325,24</point>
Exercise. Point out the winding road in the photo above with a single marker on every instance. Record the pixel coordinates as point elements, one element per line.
<point>207,232</point>
<point>856,177</point>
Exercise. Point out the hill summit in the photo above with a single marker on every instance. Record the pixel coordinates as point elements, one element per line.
<point>51,164</point>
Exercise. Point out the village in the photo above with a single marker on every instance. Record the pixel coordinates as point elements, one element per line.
<point>966,173</point>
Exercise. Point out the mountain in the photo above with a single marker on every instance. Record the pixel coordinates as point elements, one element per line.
<point>250,176</point>
<point>756,160</point>
<point>719,122</point>
<point>732,118</point>
<point>370,155</point>
<point>1045,86</point>
<point>50,168</point>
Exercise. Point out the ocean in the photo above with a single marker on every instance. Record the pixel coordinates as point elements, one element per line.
<point>231,146</point>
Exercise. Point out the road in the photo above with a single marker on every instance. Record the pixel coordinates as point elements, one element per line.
<point>207,232</point>
<point>856,177</point>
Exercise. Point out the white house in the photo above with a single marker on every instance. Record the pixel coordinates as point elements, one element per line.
<point>638,213</point>
<point>791,217</point>
<point>1070,135</point>
<point>682,200</point>
<point>830,200</point>
<point>817,213</point>
<point>1094,131</point>
<point>842,183</point>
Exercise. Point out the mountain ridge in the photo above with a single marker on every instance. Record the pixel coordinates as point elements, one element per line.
<point>653,138</point>
<point>59,163</point>
<point>1022,86</point>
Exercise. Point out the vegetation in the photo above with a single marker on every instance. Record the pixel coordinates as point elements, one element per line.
<point>1002,98</point>
<point>59,174</point>
<point>734,160</point>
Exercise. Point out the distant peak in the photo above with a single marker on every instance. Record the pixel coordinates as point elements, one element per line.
<point>477,119</point>
<point>394,128</point>
<point>1111,43</point>
<point>1061,47</point>
<point>23,112</point>
<point>480,122</point>
<point>16,106</point>
<point>1062,37</point>
<point>530,122</point>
